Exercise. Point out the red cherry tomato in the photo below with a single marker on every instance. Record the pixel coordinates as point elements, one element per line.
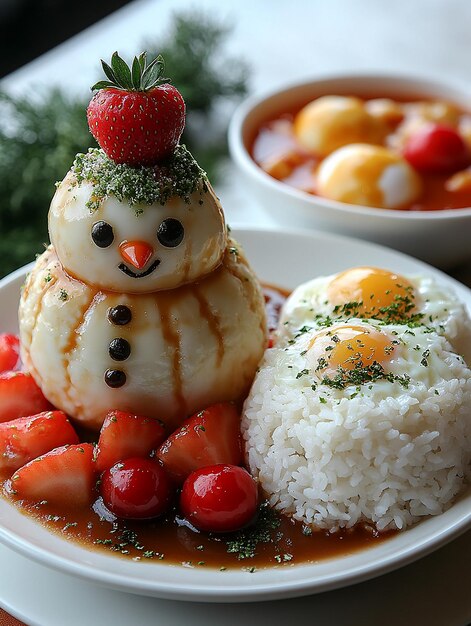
<point>137,488</point>
<point>219,498</point>
<point>436,148</point>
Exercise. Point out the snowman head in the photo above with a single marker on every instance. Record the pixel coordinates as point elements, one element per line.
<point>136,249</point>
<point>138,215</point>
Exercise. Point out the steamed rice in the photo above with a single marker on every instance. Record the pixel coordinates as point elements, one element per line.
<point>385,455</point>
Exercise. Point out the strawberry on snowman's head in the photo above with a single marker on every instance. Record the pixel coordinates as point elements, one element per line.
<point>136,116</point>
<point>138,215</point>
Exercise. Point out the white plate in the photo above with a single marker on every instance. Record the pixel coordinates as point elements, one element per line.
<point>285,259</point>
<point>433,591</point>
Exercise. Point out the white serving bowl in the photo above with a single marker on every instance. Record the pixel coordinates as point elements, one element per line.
<point>441,237</point>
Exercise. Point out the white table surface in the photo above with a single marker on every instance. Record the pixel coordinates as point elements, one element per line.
<point>283,41</point>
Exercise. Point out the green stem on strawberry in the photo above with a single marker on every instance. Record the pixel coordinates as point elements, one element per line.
<point>140,77</point>
<point>178,175</point>
<point>136,117</point>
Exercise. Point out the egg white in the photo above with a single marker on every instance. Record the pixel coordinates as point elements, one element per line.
<point>308,305</point>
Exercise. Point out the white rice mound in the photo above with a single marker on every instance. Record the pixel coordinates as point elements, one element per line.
<point>386,456</point>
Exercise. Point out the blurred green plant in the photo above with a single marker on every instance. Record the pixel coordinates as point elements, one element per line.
<point>37,144</point>
<point>207,78</point>
<point>39,139</point>
<point>195,62</point>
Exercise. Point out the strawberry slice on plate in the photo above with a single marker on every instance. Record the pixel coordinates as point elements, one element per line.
<point>124,435</point>
<point>20,396</point>
<point>209,437</point>
<point>26,438</point>
<point>65,477</point>
<point>9,352</point>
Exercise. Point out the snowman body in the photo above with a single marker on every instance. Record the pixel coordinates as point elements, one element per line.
<point>163,320</point>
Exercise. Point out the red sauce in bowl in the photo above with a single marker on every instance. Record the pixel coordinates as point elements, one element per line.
<point>276,149</point>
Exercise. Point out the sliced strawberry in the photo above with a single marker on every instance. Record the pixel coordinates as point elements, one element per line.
<point>9,352</point>
<point>209,437</point>
<point>124,435</point>
<point>20,396</point>
<point>65,477</point>
<point>25,438</point>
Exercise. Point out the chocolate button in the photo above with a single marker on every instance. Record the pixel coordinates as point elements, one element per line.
<point>119,315</point>
<point>115,378</point>
<point>119,349</point>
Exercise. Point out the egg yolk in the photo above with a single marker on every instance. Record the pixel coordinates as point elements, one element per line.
<point>349,347</point>
<point>371,292</point>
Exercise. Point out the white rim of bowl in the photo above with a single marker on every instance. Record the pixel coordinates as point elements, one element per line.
<point>242,157</point>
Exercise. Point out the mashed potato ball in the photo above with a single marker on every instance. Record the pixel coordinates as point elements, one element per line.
<point>368,175</point>
<point>330,122</point>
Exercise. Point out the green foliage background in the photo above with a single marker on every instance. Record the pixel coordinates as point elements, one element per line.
<point>39,139</point>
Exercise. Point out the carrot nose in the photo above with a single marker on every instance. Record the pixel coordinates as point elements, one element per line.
<point>136,252</point>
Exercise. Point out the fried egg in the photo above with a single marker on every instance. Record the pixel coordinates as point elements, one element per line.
<point>347,348</point>
<point>345,357</point>
<point>370,292</point>
<point>368,175</point>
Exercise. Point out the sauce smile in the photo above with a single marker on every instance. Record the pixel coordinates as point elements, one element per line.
<point>129,272</point>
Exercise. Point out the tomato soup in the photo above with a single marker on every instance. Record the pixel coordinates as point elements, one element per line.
<point>381,152</point>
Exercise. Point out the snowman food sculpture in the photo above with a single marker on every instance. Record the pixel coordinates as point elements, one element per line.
<point>142,302</point>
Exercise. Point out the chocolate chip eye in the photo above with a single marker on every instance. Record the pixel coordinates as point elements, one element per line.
<point>102,234</point>
<point>170,233</point>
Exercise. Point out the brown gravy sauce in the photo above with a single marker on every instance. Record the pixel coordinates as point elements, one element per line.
<point>213,321</point>
<point>274,299</point>
<point>75,333</point>
<point>171,540</point>
<point>172,338</point>
<point>268,142</point>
